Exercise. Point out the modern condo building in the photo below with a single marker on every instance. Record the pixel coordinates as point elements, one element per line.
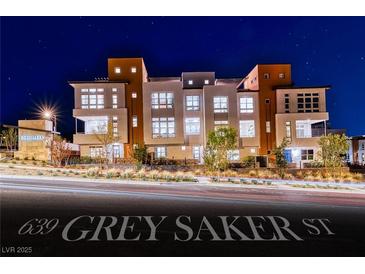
<point>172,116</point>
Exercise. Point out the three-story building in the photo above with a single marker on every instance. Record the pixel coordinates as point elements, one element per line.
<point>172,116</point>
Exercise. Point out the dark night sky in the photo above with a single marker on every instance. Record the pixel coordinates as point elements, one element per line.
<point>40,54</point>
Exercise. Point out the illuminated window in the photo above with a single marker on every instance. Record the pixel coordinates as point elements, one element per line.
<point>117,70</point>
<point>247,128</point>
<point>183,147</point>
<point>92,90</point>
<point>303,129</point>
<point>246,105</point>
<point>84,101</point>
<point>288,130</point>
<point>206,82</point>
<point>196,152</point>
<point>100,90</point>
<point>163,127</point>
<point>100,101</point>
<point>218,124</point>
<point>286,103</point>
<point>114,90</point>
<point>281,75</point>
<point>133,69</point>
<point>84,90</point>
<point>96,126</point>
<point>233,155</point>
<point>135,121</point>
<point>160,152</point>
<point>161,100</point>
<point>192,102</point>
<point>134,95</point>
<point>92,101</point>
<point>115,101</point>
<point>220,104</point>
<point>268,127</point>
<point>190,82</point>
<point>192,126</point>
<point>96,151</point>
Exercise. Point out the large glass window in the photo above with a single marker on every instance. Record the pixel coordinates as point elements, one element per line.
<point>220,104</point>
<point>303,129</point>
<point>161,100</point>
<point>96,126</point>
<point>160,152</point>
<point>288,130</point>
<point>247,129</point>
<point>192,126</point>
<point>246,104</point>
<point>233,155</point>
<point>96,151</point>
<point>163,127</point>
<point>192,102</point>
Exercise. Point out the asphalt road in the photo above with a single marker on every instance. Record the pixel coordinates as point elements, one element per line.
<point>264,222</point>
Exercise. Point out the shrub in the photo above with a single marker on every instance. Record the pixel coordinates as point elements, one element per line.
<point>93,172</point>
<point>39,173</point>
<point>252,173</point>
<point>13,162</point>
<point>26,158</point>
<point>112,173</point>
<point>16,158</point>
<point>358,176</point>
<point>249,162</point>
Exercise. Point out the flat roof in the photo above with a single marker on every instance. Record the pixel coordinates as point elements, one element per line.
<point>99,82</point>
<point>302,87</point>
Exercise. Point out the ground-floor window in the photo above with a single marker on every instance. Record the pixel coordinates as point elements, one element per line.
<point>233,155</point>
<point>117,151</point>
<point>160,152</point>
<point>307,154</point>
<point>196,153</point>
<point>96,151</point>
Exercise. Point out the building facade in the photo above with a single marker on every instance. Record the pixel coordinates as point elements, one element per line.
<point>356,153</point>
<point>172,116</point>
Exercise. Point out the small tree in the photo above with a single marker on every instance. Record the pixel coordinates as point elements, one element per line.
<point>105,135</point>
<point>10,138</point>
<point>140,156</point>
<point>219,143</point>
<point>280,161</point>
<point>333,149</point>
<point>60,151</point>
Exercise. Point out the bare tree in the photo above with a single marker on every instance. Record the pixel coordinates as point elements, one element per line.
<point>105,135</point>
<point>60,151</point>
<point>10,138</point>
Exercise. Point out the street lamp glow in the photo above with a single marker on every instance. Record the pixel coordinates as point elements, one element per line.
<point>47,114</point>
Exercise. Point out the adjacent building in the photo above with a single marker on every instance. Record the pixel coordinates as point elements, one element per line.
<point>356,153</point>
<point>172,116</point>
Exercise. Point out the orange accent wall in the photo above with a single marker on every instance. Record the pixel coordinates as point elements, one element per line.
<point>134,105</point>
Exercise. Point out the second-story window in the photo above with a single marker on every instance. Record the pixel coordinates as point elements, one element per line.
<point>91,101</point>
<point>117,70</point>
<point>220,104</point>
<point>246,104</point>
<point>192,126</point>
<point>134,121</point>
<point>162,100</point>
<point>247,128</point>
<point>133,69</point>
<point>281,75</point>
<point>192,102</point>
<point>286,103</point>
<point>163,127</point>
<point>115,101</point>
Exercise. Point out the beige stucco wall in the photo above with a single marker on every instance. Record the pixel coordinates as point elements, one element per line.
<point>176,112</point>
<point>281,119</point>
<point>293,106</point>
<point>254,141</point>
<point>81,138</point>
